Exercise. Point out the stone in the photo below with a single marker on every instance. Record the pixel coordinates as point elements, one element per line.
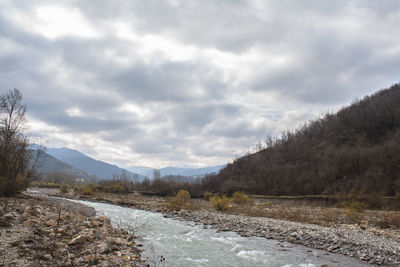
<point>78,240</point>
<point>47,257</point>
<point>8,216</point>
<point>89,258</point>
<point>117,241</point>
<point>126,258</point>
<point>103,249</point>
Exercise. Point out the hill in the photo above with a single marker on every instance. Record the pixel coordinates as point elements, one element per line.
<point>177,171</point>
<point>49,166</point>
<point>356,149</point>
<point>92,166</point>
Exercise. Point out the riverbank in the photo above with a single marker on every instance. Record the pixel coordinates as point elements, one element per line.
<point>37,231</point>
<point>369,243</point>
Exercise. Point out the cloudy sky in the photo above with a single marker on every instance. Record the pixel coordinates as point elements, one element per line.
<point>189,83</point>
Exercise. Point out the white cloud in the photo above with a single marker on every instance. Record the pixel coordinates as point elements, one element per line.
<point>189,82</point>
<point>58,21</point>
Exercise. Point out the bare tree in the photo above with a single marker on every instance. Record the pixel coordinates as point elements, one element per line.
<point>15,171</point>
<point>156,174</point>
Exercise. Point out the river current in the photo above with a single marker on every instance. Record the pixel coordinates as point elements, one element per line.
<point>170,242</point>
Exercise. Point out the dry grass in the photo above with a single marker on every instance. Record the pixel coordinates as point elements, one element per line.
<point>299,211</point>
<point>197,204</point>
<point>326,216</point>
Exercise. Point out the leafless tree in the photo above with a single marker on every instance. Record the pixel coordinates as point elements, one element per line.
<point>156,174</point>
<point>15,167</point>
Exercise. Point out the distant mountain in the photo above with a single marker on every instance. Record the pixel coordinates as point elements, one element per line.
<point>143,170</point>
<point>180,178</point>
<point>48,165</point>
<point>191,171</point>
<point>147,171</point>
<point>92,166</point>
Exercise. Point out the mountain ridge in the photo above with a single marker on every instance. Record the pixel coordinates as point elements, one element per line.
<point>47,165</point>
<point>181,171</point>
<point>101,169</point>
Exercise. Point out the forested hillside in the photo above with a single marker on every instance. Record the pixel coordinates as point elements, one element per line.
<point>358,148</point>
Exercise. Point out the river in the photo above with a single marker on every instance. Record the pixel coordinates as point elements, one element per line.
<point>169,242</point>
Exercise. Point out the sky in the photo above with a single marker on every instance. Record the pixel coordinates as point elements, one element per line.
<point>189,83</point>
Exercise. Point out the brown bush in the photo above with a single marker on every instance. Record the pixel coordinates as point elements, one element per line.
<point>221,203</point>
<point>64,189</point>
<point>177,202</point>
<point>240,198</point>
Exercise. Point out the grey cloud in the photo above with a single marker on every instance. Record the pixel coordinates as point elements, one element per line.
<point>237,129</point>
<point>175,82</point>
<point>340,50</point>
<point>193,117</point>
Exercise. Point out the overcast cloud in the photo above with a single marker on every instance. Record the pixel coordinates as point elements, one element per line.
<point>189,83</point>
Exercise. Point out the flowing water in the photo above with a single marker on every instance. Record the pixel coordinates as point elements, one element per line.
<point>187,244</point>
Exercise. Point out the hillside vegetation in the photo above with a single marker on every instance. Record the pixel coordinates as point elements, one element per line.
<point>355,150</point>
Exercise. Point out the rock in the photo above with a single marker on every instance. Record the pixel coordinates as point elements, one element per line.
<point>78,240</point>
<point>103,249</point>
<point>126,258</point>
<point>8,216</point>
<point>117,241</point>
<point>104,220</point>
<point>89,258</point>
<point>47,257</point>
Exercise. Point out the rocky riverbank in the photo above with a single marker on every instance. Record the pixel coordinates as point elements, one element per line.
<point>373,246</point>
<point>40,232</point>
<point>370,244</point>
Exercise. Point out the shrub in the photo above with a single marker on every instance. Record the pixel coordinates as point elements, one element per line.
<point>358,206</point>
<point>207,195</point>
<point>64,189</point>
<point>181,198</point>
<point>220,203</point>
<point>114,188</point>
<point>240,198</point>
<point>354,215</point>
<point>354,210</point>
<point>86,189</point>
